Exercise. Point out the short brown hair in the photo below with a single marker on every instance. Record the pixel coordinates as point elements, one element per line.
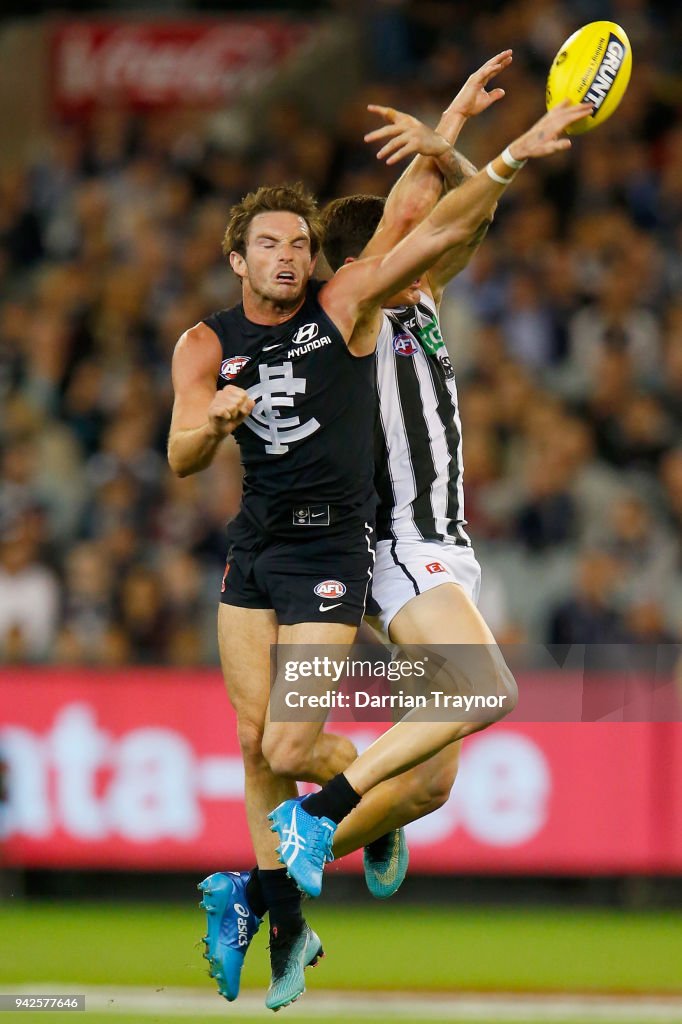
<point>267,199</point>
<point>347,225</point>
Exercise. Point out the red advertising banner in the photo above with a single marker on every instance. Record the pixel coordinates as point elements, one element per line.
<point>142,770</point>
<point>147,64</point>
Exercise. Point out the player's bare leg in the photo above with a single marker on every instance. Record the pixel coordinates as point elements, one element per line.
<point>300,750</point>
<point>244,638</point>
<point>396,802</point>
<point>444,615</point>
<point>237,901</point>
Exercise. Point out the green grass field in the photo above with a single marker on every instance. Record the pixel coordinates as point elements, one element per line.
<point>381,948</point>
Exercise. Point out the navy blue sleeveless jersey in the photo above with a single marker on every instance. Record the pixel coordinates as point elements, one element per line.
<point>309,438</point>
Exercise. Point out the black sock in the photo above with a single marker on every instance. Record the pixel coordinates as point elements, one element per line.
<point>334,801</point>
<point>380,847</point>
<point>283,900</point>
<point>254,893</point>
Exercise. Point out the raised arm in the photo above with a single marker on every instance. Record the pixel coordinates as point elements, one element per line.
<point>202,416</point>
<point>359,288</point>
<point>421,185</point>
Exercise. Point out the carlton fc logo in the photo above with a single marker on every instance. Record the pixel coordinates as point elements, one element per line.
<point>274,394</point>
<point>229,368</point>
<point>305,334</point>
<point>405,345</point>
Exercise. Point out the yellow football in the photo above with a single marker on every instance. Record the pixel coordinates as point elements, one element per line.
<point>593,66</point>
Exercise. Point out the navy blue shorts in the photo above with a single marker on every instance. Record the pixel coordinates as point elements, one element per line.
<point>321,577</point>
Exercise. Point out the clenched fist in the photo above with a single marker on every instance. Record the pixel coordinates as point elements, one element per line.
<point>228,410</point>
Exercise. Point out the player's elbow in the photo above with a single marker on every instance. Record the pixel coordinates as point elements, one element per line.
<point>479,233</point>
<point>453,235</point>
<point>179,465</point>
<point>177,468</point>
<point>413,210</point>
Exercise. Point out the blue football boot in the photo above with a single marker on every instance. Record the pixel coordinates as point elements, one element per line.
<point>289,956</point>
<point>231,926</point>
<point>305,844</point>
<point>386,863</point>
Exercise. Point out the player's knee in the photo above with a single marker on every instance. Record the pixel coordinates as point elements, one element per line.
<point>250,735</point>
<point>440,786</point>
<point>431,789</point>
<point>512,691</point>
<point>424,789</point>
<point>499,690</point>
<point>433,797</point>
<point>285,756</point>
<point>507,691</point>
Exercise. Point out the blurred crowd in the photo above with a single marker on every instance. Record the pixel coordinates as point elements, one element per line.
<point>565,331</point>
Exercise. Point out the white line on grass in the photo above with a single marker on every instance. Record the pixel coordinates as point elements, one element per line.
<point>508,1007</point>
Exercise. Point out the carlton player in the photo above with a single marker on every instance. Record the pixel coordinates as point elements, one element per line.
<point>300,549</point>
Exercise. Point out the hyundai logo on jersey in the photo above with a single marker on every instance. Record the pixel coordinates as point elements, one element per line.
<point>305,333</point>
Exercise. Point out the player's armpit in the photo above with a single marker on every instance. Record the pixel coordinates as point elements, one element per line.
<point>363,340</point>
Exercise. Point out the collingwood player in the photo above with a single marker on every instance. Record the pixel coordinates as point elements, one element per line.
<point>294,370</point>
<point>417,441</point>
<point>426,577</point>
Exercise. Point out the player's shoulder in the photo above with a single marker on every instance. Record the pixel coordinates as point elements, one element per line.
<point>200,335</point>
<point>225,319</point>
<point>197,351</point>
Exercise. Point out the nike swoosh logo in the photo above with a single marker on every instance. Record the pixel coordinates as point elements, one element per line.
<point>328,607</point>
<point>317,514</point>
<point>386,873</point>
<point>266,348</point>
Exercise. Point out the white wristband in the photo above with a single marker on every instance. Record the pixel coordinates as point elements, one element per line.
<point>512,161</point>
<point>497,177</point>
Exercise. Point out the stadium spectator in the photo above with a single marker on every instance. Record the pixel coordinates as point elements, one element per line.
<point>591,616</point>
<point>29,595</point>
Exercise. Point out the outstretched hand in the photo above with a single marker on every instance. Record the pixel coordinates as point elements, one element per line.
<point>405,135</point>
<point>473,98</point>
<point>544,138</point>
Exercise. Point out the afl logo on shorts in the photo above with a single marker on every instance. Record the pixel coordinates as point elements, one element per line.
<point>230,367</point>
<point>305,333</point>
<point>434,567</point>
<point>404,345</point>
<point>330,588</point>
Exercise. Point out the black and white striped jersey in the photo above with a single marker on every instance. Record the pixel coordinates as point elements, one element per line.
<point>418,436</point>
